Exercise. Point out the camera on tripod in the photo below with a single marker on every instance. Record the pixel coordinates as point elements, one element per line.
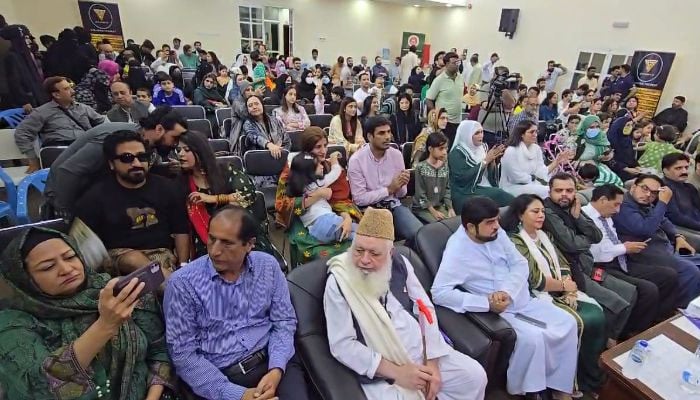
<point>503,80</point>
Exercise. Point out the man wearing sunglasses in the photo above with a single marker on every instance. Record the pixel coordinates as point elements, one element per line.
<point>139,217</point>
<point>74,171</point>
<point>642,218</point>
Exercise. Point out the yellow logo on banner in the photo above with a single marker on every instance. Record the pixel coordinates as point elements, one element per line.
<point>649,64</point>
<point>100,12</point>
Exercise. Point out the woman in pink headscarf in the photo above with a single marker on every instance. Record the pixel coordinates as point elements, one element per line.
<point>110,68</point>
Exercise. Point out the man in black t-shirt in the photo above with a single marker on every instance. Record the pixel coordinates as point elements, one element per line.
<point>138,216</point>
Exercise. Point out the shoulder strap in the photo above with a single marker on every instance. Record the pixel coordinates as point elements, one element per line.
<point>69,115</point>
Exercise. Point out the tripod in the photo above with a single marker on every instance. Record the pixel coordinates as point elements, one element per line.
<point>499,125</point>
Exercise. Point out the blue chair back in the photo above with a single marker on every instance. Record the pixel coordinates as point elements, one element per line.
<point>38,181</point>
<point>12,116</point>
<point>8,209</point>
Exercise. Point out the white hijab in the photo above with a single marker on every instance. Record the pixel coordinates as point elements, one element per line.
<point>464,141</point>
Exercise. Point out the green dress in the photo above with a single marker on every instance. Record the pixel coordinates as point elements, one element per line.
<point>432,189</point>
<point>304,247</point>
<point>589,317</point>
<point>37,332</point>
<point>465,176</point>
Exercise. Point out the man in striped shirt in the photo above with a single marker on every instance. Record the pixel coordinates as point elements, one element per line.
<point>230,321</point>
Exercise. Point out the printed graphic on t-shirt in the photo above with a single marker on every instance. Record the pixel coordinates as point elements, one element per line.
<point>142,217</point>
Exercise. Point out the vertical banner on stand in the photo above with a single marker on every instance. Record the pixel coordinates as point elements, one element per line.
<point>412,39</point>
<point>650,71</point>
<point>102,21</point>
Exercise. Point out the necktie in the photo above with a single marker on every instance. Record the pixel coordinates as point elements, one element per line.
<point>622,260</point>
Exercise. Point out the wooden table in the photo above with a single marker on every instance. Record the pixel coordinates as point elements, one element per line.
<point>619,387</point>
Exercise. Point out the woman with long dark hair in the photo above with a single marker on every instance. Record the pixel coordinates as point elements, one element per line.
<point>405,124</point>
<point>210,186</point>
<point>552,279</point>
<point>264,133</point>
<point>370,108</point>
<point>548,109</point>
<point>630,109</point>
<point>213,60</point>
<point>417,79</point>
<point>304,247</point>
<point>346,128</point>
<point>522,167</point>
<point>292,116</point>
<point>223,81</point>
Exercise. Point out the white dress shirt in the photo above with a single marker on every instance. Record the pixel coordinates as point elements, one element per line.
<point>605,250</point>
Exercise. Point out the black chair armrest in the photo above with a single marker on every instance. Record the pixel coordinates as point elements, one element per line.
<point>465,335</point>
<point>503,337</point>
<point>331,379</point>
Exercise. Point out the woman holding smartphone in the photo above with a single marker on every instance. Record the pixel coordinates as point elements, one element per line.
<point>65,335</point>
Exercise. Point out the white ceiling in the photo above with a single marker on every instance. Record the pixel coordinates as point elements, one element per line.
<point>427,3</point>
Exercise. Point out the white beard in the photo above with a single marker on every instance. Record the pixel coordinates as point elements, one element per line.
<point>371,284</point>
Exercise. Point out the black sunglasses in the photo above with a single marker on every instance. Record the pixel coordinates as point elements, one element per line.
<point>128,158</point>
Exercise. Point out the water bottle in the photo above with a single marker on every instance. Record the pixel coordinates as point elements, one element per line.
<point>690,376</point>
<point>636,359</point>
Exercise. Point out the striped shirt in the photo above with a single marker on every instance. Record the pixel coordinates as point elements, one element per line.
<point>212,324</point>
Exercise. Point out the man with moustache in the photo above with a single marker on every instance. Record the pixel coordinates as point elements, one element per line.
<point>373,326</point>
<point>482,271</point>
<point>642,218</point>
<point>139,217</point>
<point>229,320</point>
<point>684,207</point>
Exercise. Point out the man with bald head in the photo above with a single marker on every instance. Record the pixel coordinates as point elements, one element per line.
<point>125,108</point>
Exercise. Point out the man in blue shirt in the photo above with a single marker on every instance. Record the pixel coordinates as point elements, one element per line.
<point>625,83</point>
<point>230,321</point>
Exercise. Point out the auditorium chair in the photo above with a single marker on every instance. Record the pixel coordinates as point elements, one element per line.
<point>261,163</point>
<point>430,242</point>
<point>332,380</point>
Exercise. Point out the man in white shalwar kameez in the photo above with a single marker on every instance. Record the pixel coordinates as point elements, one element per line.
<point>371,332</point>
<point>481,259</point>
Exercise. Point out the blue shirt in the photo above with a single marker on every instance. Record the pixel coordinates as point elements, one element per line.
<point>175,99</point>
<point>623,85</point>
<point>212,323</point>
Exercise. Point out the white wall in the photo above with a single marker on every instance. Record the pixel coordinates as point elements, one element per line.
<point>547,29</point>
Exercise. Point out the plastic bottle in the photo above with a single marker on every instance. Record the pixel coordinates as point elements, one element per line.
<point>690,376</point>
<point>636,359</point>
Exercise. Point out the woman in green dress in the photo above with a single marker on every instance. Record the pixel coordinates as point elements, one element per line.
<point>209,187</point>
<point>550,280</point>
<point>63,333</point>
<point>304,247</point>
<point>474,169</point>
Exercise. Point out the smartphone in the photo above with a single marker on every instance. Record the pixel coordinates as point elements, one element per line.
<point>531,321</point>
<point>684,253</point>
<point>151,274</point>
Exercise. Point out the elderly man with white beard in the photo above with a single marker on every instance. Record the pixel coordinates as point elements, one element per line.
<point>371,306</point>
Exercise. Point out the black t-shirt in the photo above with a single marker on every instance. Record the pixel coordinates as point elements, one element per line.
<point>141,219</point>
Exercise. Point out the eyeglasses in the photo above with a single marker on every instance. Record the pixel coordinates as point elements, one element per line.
<point>128,158</point>
<point>646,189</point>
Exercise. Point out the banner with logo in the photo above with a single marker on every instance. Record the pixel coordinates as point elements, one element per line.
<point>102,21</point>
<point>650,71</point>
<point>412,39</point>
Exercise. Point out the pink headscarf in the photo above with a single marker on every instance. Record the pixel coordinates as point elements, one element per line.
<point>109,67</point>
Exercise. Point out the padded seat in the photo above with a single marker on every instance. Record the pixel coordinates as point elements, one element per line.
<point>191,111</point>
<point>321,120</point>
<point>261,163</point>
<point>430,242</point>
<point>330,378</point>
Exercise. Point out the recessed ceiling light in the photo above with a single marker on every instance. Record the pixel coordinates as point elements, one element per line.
<point>448,5</point>
<point>416,5</point>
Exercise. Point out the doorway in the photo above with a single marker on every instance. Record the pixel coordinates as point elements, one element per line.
<point>269,25</point>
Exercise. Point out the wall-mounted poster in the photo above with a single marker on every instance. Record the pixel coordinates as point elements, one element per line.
<point>102,21</point>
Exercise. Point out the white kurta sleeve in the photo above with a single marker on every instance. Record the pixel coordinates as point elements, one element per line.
<point>514,173</point>
<point>515,281</point>
<point>452,275</point>
<point>542,171</point>
<point>435,343</point>
<point>342,338</point>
